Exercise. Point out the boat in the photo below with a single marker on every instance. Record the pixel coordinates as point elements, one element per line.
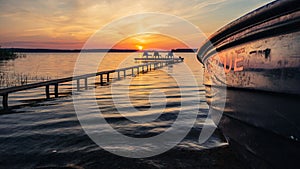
<point>252,65</point>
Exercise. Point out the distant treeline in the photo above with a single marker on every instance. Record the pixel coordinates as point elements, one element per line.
<point>24,50</point>
<point>9,54</point>
<point>184,50</point>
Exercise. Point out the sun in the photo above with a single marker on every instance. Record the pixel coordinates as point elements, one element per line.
<point>139,47</point>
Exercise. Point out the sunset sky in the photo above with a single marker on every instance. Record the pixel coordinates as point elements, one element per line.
<point>68,24</point>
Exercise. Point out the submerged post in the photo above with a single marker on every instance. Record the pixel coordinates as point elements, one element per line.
<point>86,83</point>
<point>5,101</point>
<point>56,90</point>
<point>47,92</point>
<point>78,84</point>
<point>107,77</point>
<point>119,75</point>
<point>132,72</point>
<point>101,79</point>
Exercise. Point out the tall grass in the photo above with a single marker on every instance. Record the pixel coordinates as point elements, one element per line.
<point>19,79</point>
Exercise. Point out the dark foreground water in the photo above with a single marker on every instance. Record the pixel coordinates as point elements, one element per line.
<point>47,134</point>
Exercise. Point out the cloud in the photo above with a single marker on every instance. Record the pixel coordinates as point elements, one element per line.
<point>36,20</point>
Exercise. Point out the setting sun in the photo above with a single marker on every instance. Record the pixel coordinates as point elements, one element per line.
<point>139,47</point>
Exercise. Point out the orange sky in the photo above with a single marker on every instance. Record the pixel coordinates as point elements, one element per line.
<point>69,24</point>
<point>150,41</point>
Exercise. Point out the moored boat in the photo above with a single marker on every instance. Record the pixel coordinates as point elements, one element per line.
<point>254,62</point>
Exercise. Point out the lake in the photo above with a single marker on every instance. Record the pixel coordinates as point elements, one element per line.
<point>40,133</point>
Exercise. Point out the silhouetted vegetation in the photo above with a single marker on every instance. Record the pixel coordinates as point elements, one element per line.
<point>24,50</point>
<point>8,79</point>
<point>184,50</point>
<point>9,54</point>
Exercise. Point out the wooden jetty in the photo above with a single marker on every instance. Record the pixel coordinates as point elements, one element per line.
<point>104,78</point>
<point>158,59</point>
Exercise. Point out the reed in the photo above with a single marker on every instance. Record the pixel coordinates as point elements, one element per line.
<point>19,79</point>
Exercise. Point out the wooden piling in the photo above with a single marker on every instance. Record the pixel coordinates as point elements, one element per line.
<point>101,79</point>
<point>107,77</point>
<point>47,92</point>
<point>78,84</point>
<point>5,101</point>
<point>119,75</point>
<point>56,90</point>
<point>132,72</point>
<point>86,83</point>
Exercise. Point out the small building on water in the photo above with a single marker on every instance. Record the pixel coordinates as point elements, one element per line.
<point>170,55</point>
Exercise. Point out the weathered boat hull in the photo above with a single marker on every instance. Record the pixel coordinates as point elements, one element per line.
<point>254,62</point>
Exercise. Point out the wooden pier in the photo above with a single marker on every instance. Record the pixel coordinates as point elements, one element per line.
<point>104,77</point>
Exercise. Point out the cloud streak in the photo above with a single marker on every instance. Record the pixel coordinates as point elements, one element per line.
<point>76,20</point>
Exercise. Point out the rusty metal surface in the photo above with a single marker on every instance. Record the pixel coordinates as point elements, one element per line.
<point>255,60</point>
<point>260,56</point>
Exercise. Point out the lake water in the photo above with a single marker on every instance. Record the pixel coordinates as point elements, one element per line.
<point>41,133</point>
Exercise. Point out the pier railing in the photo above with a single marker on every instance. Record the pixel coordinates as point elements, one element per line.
<point>104,78</point>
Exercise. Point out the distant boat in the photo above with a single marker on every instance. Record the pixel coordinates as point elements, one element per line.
<point>256,61</point>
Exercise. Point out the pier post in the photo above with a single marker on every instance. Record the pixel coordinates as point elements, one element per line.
<point>78,84</point>
<point>101,79</point>
<point>86,83</point>
<point>107,77</point>
<point>132,72</point>
<point>47,92</point>
<point>138,70</point>
<point>143,69</point>
<point>119,75</point>
<point>5,101</point>
<point>124,73</point>
<point>56,90</point>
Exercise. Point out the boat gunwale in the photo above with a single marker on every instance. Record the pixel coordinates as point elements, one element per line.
<point>254,18</point>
